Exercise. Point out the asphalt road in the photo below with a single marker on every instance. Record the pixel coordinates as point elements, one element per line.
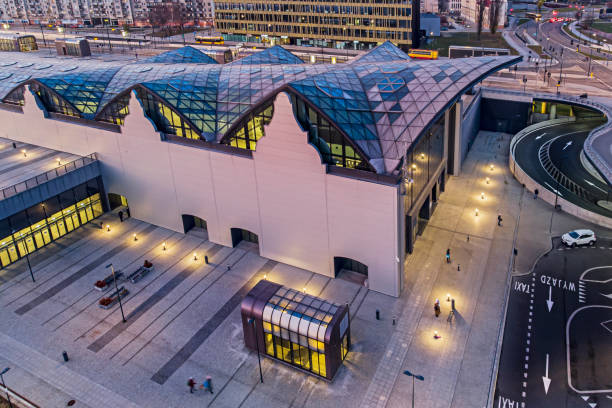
<point>558,40</point>
<point>566,144</point>
<point>557,346</point>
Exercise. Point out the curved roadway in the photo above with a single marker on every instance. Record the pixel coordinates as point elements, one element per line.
<point>564,142</point>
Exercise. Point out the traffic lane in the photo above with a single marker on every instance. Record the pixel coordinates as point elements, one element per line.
<point>569,147</point>
<point>557,281</point>
<point>511,380</point>
<point>526,154</point>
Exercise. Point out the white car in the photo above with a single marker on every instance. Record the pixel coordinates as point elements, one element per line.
<point>579,237</point>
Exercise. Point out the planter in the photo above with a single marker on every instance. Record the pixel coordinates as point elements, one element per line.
<point>109,301</point>
<point>139,274</point>
<point>106,283</point>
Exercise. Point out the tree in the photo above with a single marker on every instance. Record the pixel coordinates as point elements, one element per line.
<point>481,5</point>
<point>494,10</point>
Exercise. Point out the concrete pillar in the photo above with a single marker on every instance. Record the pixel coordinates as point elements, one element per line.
<point>453,132</point>
<point>553,111</point>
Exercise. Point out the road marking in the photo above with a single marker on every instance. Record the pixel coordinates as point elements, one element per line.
<point>545,379</point>
<point>539,137</point>
<point>593,185</point>
<point>552,189</point>
<point>549,302</point>
<point>567,145</point>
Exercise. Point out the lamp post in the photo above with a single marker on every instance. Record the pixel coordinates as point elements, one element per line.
<point>418,377</point>
<point>8,398</point>
<point>27,254</point>
<point>252,323</point>
<point>43,35</point>
<point>117,290</point>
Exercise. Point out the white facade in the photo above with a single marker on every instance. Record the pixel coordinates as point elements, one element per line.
<point>454,5</point>
<point>469,10</point>
<point>302,215</point>
<point>429,6</point>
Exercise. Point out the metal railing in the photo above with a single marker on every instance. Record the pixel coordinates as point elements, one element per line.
<point>19,399</point>
<point>46,176</point>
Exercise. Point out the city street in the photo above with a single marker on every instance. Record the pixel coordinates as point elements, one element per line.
<point>557,349</point>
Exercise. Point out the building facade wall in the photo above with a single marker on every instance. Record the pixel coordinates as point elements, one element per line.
<point>302,215</point>
<point>340,25</point>
<point>469,10</point>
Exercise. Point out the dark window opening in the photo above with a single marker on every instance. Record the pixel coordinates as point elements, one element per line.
<point>191,222</point>
<point>349,264</point>
<point>239,234</point>
<point>116,200</point>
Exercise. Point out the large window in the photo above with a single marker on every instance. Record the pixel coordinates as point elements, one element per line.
<point>166,120</point>
<point>422,160</point>
<point>331,143</point>
<point>52,102</point>
<point>251,129</point>
<point>116,111</point>
<point>43,223</point>
<point>15,97</point>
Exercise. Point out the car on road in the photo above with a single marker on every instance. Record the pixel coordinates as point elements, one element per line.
<point>579,237</point>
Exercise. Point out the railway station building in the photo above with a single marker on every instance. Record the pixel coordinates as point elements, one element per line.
<point>327,167</point>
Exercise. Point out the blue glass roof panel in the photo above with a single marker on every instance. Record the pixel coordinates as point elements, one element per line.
<point>184,55</point>
<point>272,55</point>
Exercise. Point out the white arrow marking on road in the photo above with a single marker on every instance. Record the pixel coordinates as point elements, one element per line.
<point>592,404</point>
<point>546,379</point>
<point>539,137</point>
<point>567,145</point>
<point>553,190</point>
<point>549,302</point>
<point>593,185</point>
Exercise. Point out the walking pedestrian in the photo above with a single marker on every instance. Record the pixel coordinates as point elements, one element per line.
<point>535,194</point>
<point>120,214</point>
<point>229,267</point>
<point>127,210</point>
<point>207,384</point>
<point>437,307</point>
<point>448,255</point>
<point>191,384</point>
<point>499,220</point>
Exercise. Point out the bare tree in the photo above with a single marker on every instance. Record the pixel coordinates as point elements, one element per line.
<point>481,5</point>
<point>494,10</point>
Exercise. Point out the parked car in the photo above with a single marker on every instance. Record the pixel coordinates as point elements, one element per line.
<point>579,237</point>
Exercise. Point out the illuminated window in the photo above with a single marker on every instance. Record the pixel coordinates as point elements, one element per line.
<point>166,119</point>
<point>251,129</point>
<point>52,102</point>
<point>116,111</point>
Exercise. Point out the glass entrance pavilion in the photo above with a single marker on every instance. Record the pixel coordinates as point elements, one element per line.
<point>304,331</point>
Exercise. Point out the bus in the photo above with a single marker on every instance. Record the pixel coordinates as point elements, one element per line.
<point>534,16</point>
<point>423,54</point>
<point>209,40</point>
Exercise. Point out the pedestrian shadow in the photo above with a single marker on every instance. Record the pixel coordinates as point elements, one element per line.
<point>457,319</point>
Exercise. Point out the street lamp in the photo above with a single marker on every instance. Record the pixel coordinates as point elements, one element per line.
<point>117,290</point>
<point>8,398</point>
<point>418,377</point>
<point>252,323</point>
<point>27,254</point>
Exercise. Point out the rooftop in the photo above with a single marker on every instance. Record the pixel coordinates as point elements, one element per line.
<point>382,100</point>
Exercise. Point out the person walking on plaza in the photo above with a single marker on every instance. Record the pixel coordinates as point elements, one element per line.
<point>127,210</point>
<point>191,384</point>
<point>499,220</point>
<point>437,307</point>
<point>535,194</point>
<point>207,384</point>
<point>448,255</point>
<point>120,214</point>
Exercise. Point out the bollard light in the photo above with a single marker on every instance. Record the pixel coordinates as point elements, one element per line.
<point>422,156</point>
<point>59,161</point>
<point>164,246</point>
<point>436,335</point>
<point>492,167</point>
<point>108,227</point>
<point>448,297</point>
<point>24,151</point>
<point>265,276</point>
<point>488,179</point>
<point>482,196</point>
<point>476,212</point>
<point>195,256</point>
<point>304,289</point>
<point>135,237</point>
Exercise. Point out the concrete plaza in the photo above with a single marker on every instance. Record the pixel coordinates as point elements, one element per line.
<point>184,319</point>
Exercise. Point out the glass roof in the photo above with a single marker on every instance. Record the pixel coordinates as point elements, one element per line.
<point>272,55</point>
<point>184,55</point>
<point>382,101</point>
